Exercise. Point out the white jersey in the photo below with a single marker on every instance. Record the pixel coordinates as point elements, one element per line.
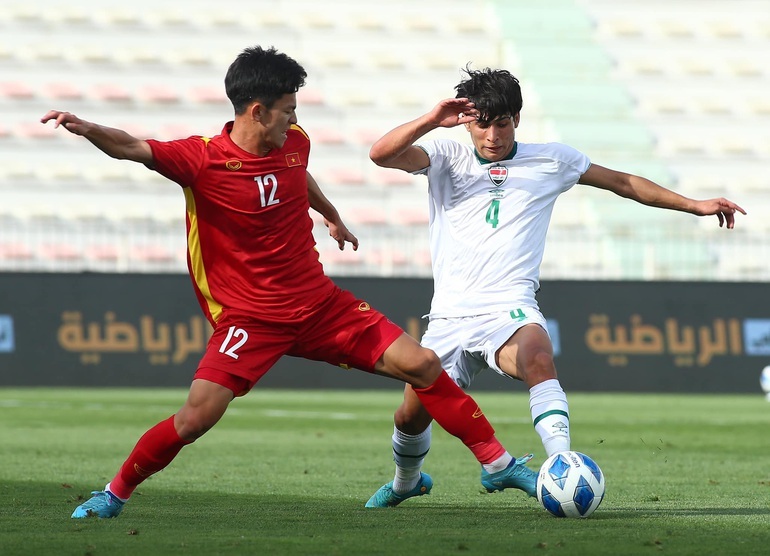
<point>488,222</point>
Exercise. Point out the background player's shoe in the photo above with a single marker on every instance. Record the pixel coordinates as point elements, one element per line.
<point>386,498</point>
<point>102,504</point>
<point>516,475</point>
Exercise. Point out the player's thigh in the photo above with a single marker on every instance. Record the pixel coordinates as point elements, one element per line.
<point>406,360</point>
<point>527,354</point>
<point>347,333</point>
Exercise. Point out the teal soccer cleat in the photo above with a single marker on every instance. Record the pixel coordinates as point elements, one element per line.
<point>516,475</point>
<point>386,498</point>
<point>102,504</point>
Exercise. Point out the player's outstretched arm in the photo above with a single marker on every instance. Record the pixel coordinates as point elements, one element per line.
<point>395,149</point>
<point>650,193</point>
<point>323,206</point>
<point>114,142</point>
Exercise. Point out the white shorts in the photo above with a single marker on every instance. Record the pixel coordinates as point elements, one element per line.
<point>467,345</point>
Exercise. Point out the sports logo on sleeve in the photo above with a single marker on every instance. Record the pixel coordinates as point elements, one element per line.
<point>498,174</point>
<point>293,159</point>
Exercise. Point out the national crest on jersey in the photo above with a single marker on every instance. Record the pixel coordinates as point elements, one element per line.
<point>488,222</point>
<point>498,174</point>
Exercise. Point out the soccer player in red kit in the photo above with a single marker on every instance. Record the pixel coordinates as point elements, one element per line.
<point>257,276</point>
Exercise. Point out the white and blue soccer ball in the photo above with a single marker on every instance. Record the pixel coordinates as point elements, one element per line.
<point>570,484</point>
<point>764,380</point>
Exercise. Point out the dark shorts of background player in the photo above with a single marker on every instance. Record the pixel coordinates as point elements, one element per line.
<point>343,331</point>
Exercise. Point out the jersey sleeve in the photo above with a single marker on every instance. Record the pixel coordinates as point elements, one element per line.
<point>573,163</point>
<point>179,160</point>
<point>440,153</point>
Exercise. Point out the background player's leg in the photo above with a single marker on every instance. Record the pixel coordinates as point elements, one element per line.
<point>205,405</point>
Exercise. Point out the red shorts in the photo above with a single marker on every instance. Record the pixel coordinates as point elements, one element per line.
<point>343,331</point>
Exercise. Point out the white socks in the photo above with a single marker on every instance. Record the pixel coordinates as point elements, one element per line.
<point>107,489</point>
<point>550,415</point>
<point>409,452</point>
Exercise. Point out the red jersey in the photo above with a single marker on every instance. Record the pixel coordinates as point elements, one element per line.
<point>250,246</point>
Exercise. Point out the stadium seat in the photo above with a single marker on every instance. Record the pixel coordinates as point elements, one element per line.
<point>309,96</point>
<point>621,28</point>
<point>16,90</point>
<point>95,55</point>
<point>208,95</point>
<point>328,136</point>
<point>65,252</point>
<point>159,94</point>
<point>372,217</point>
<point>151,254</point>
<point>413,217</point>
<point>394,178</point>
<point>64,91</point>
<point>676,29</point>
<point>347,257</point>
<point>102,252</point>
<point>35,131</point>
<point>123,19</point>
<point>725,30</point>
<point>346,176</point>
<point>16,251</point>
<point>112,93</point>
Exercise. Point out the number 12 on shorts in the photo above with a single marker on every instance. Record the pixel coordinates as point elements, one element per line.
<point>236,335</point>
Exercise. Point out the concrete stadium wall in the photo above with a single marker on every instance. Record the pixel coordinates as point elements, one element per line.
<point>147,330</point>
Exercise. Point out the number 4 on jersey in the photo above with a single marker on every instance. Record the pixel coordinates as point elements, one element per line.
<point>493,213</point>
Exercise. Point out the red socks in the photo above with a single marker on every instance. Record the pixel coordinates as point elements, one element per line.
<point>154,451</point>
<point>461,416</point>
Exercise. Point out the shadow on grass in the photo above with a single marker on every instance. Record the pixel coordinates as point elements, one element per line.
<point>617,513</point>
<point>36,520</point>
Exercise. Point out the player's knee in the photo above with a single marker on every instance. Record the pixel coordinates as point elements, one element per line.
<point>543,360</point>
<point>422,368</point>
<point>540,367</point>
<point>411,418</point>
<point>192,424</point>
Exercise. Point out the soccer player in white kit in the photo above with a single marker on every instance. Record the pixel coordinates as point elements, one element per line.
<point>490,206</point>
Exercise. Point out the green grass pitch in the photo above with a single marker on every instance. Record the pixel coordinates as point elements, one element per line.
<point>288,472</point>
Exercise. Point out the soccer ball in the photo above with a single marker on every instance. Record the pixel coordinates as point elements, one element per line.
<point>764,381</point>
<point>570,484</point>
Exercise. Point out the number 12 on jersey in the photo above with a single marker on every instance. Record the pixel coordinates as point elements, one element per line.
<point>267,184</point>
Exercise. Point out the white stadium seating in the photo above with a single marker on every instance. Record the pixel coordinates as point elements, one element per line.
<point>676,91</point>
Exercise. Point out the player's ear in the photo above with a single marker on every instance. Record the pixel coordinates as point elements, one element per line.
<point>257,111</point>
<point>516,119</point>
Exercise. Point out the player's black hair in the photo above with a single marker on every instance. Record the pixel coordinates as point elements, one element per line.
<point>496,93</point>
<point>264,75</point>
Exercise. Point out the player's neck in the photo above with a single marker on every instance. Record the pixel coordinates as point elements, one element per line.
<point>247,139</point>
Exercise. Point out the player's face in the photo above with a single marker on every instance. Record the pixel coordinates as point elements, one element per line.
<point>494,141</point>
<point>278,119</point>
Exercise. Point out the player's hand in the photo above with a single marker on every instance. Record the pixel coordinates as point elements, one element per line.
<point>452,112</point>
<point>340,233</point>
<point>724,209</point>
<point>68,121</point>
